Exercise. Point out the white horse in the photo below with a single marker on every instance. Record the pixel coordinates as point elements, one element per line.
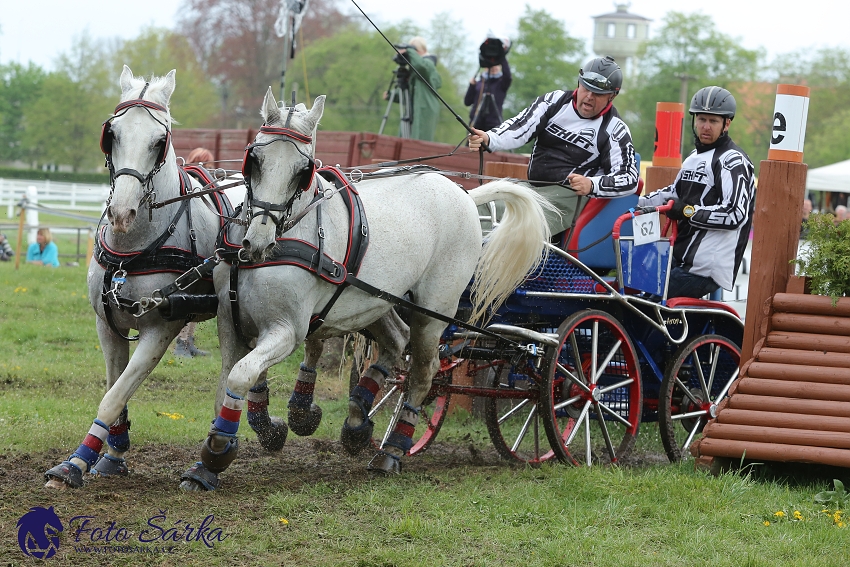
<point>142,249</point>
<point>298,263</point>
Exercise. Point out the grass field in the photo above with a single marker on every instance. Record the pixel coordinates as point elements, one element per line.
<point>312,504</point>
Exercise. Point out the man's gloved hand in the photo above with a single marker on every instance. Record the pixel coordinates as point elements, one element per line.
<point>680,210</point>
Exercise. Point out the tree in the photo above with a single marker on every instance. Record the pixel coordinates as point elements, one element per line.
<point>18,84</point>
<point>448,40</point>
<point>156,51</point>
<point>543,58</point>
<point>63,122</point>
<point>689,48</point>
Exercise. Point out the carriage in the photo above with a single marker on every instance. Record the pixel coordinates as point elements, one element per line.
<point>584,351</point>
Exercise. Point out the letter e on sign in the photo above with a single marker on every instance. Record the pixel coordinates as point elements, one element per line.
<point>789,123</point>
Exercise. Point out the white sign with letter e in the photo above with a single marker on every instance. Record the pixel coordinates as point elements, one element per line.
<point>646,228</point>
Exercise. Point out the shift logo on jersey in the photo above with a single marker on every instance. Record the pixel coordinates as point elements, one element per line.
<point>733,160</point>
<point>583,139</point>
<point>619,132</point>
<point>698,175</point>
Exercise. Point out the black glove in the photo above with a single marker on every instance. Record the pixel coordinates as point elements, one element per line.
<point>680,211</point>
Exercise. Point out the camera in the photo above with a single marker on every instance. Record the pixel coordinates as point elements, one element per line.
<point>491,52</point>
<point>400,58</point>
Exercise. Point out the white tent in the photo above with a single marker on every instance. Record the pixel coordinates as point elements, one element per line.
<point>834,177</point>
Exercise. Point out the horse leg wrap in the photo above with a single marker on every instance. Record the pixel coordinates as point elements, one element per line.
<point>271,431</point>
<point>198,474</point>
<point>402,436</point>
<point>217,461</point>
<point>119,433</point>
<point>354,439</point>
<point>228,418</point>
<point>88,452</point>
<point>304,416</point>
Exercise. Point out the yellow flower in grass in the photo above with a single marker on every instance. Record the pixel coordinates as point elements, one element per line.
<point>780,514</point>
<point>283,521</point>
<point>798,515</point>
<point>766,523</point>
<point>171,415</point>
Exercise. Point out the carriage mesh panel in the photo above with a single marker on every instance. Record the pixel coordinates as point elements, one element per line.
<point>616,371</point>
<point>559,275</point>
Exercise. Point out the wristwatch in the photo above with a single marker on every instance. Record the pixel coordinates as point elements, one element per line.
<point>688,211</point>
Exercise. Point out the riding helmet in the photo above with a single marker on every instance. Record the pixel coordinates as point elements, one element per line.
<point>713,100</point>
<point>601,75</point>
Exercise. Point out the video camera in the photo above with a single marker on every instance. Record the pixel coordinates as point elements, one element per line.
<point>399,58</point>
<point>491,52</point>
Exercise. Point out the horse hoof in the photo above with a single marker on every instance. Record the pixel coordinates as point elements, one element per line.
<point>110,466</point>
<point>385,464</point>
<point>355,439</point>
<point>273,436</point>
<point>304,421</point>
<point>66,473</point>
<point>198,478</point>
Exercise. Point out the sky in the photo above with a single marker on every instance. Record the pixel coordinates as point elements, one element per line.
<point>39,30</point>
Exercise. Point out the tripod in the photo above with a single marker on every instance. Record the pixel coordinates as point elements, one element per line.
<point>486,105</point>
<point>399,91</point>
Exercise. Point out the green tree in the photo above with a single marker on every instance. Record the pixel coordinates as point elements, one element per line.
<point>195,103</point>
<point>687,47</point>
<point>18,84</point>
<point>543,58</point>
<point>448,40</point>
<point>63,123</point>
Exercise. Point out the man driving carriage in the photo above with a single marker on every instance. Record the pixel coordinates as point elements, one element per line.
<point>582,147</point>
<point>714,196</point>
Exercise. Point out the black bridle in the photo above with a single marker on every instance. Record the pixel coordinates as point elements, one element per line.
<point>107,137</point>
<point>304,180</point>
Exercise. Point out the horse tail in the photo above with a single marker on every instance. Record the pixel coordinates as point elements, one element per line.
<point>515,248</point>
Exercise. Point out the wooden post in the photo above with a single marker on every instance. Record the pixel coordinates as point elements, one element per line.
<point>505,169</point>
<point>20,236</point>
<point>667,157</point>
<point>778,211</point>
<point>90,246</point>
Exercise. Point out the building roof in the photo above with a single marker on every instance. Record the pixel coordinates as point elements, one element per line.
<point>623,14</point>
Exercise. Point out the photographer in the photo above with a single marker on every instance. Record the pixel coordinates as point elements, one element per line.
<point>486,95</point>
<point>426,105</point>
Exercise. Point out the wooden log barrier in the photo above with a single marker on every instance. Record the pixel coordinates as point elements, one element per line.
<point>797,372</point>
<point>811,304</point>
<point>787,420</point>
<point>788,405</point>
<point>793,389</point>
<point>834,439</point>
<point>803,357</point>
<point>780,452</point>
<point>807,341</point>
<point>820,324</point>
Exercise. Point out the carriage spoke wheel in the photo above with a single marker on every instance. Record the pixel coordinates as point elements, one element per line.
<point>512,416</point>
<point>388,405</point>
<point>592,399</point>
<point>696,380</point>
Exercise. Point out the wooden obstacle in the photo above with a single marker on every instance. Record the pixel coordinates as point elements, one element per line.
<point>791,402</point>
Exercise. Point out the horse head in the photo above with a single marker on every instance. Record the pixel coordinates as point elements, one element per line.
<point>136,140</point>
<point>278,167</point>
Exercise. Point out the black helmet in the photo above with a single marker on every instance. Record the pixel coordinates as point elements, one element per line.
<point>601,75</point>
<point>713,100</point>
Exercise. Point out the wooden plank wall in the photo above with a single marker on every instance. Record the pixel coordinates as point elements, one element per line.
<point>346,149</point>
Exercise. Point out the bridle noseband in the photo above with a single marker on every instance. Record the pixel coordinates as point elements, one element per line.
<point>107,137</point>
<point>304,179</point>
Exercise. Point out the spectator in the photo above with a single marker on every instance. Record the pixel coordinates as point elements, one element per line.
<point>582,146</point>
<point>184,346</point>
<point>6,251</point>
<point>486,94</point>
<point>43,252</point>
<point>714,196</point>
<point>426,105</point>
<point>804,225</point>
<point>840,213</point>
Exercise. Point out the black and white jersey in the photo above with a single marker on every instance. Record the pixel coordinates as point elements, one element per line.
<point>720,183</point>
<point>599,148</point>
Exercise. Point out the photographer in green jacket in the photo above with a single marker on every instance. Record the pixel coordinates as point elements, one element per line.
<point>426,105</point>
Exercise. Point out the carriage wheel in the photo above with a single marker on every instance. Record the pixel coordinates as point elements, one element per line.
<point>694,383</point>
<point>592,399</point>
<point>388,404</point>
<point>514,423</point>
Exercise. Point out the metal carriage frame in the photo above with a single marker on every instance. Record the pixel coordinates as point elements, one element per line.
<point>596,359</point>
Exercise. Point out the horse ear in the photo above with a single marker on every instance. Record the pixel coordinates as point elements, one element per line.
<point>170,83</point>
<point>270,111</point>
<point>126,80</point>
<point>317,110</point>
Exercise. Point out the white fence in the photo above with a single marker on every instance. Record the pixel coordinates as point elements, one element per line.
<point>80,197</point>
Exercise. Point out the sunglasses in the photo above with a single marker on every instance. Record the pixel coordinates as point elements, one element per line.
<point>596,81</point>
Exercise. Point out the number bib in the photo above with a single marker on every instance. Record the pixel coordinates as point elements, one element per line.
<point>646,228</point>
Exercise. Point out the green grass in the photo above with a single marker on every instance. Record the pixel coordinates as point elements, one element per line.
<point>52,379</point>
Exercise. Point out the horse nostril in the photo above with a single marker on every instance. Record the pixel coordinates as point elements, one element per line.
<point>109,214</point>
<point>269,249</point>
<point>246,244</point>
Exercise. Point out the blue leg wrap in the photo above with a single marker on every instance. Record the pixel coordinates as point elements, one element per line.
<point>119,433</point>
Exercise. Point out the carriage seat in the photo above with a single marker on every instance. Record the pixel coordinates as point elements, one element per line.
<point>681,302</point>
<point>594,222</point>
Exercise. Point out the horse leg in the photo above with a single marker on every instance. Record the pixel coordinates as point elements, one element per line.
<point>305,416</point>
<point>222,445</point>
<point>391,334</point>
<point>424,363</point>
<point>113,407</point>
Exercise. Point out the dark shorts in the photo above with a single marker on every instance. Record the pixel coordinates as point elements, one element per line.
<point>686,284</point>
